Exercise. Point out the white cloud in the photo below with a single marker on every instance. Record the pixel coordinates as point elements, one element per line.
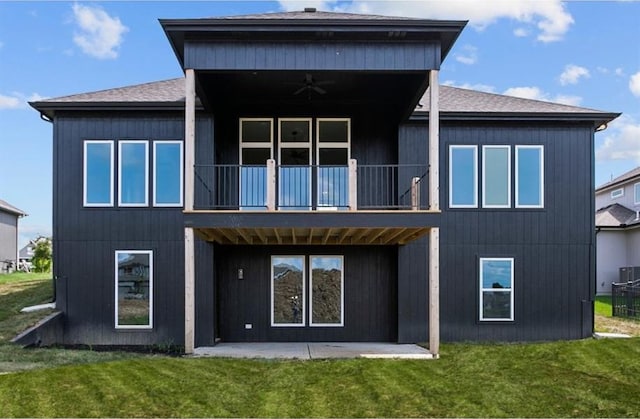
<point>634,84</point>
<point>572,74</point>
<point>619,71</point>
<point>478,86</point>
<point>535,93</point>
<point>550,17</point>
<point>17,100</point>
<point>100,35</point>
<point>622,141</point>
<point>468,55</point>
<point>521,32</point>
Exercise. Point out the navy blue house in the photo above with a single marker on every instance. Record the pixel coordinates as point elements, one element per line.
<point>310,180</point>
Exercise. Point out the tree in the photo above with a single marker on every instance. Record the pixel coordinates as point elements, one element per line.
<point>42,255</point>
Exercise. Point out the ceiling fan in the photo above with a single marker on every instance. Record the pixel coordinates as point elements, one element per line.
<point>310,84</point>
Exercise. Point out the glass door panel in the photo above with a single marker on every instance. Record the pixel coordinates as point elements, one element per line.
<point>294,172</point>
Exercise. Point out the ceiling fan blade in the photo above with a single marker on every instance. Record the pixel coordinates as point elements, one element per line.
<point>300,90</point>
<point>319,90</point>
<point>325,82</point>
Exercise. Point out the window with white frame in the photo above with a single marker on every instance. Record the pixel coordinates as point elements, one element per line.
<point>333,139</point>
<point>133,173</point>
<point>496,176</point>
<point>134,289</point>
<point>294,157</point>
<point>98,173</point>
<point>529,176</point>
<point>256,147</point>
<point>167,173</point>
<point>463,174</point>
<point>326,285</point>
<point>288,304</point>
<point>636,193</point>
<point>496,289</point>
<point>617,193</point>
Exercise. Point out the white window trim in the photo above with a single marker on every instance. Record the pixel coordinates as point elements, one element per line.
<point>249,144</point>
<point>129,326</point>
<point>484,183</point>
<point>475,176</point>
<point>330,145</point>
<point>304,293</point>
<point>84,174</point>
<point>308,145</point>
<point>616,195</point>
<point>636,193</point>
<point>311,323</point>
<point>511,290</point>
<point>155,167</point>
<point>541,148</point>
<point>146,173</point>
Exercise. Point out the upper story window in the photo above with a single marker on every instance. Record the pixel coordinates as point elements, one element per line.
<point>463,173</point>
<point>496,289</point>
<point>617,193</point>
<point>133,168</point>
<point>636,193</point>
<point>529,176</point>
<point>98,174</point>
<point>167,173</point>
<point>496,176</point>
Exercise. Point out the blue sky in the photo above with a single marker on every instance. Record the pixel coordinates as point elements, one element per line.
<point>584,53</point>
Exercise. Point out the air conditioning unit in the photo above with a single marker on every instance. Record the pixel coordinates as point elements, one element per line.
<point>629,273</point>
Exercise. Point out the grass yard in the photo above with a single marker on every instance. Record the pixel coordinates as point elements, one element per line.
<point>589,378</point>
<point>605,322</point>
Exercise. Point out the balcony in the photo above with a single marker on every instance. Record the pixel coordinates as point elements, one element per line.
<point>271,187</point>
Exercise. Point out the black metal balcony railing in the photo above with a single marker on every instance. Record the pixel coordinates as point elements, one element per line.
<point>313,187</point>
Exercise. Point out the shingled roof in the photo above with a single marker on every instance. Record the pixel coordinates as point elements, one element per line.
<point>313,14</point>
<point>8,208</point>
<point>616,215</point>
<point>625,177</point>
<point>454,102</point>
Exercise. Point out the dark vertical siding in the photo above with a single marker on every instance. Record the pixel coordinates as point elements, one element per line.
<point>551,247</point>
<point>205,310</point>
<point>306,55</point>
<point>370,294</point>
<point>86,239</point>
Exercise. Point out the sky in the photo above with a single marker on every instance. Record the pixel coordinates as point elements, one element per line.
<point>584,53</point>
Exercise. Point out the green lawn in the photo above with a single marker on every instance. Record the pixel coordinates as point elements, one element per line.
<point>564,379</point>
<point>22,276</point>
<point>588,378</point>
<point>603,305</point>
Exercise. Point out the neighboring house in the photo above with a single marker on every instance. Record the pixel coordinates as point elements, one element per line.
<point>301,183</point>
<point>9,216</point>
<point>617,228</point>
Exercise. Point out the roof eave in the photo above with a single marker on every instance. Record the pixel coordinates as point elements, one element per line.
<point>49,108</point>
<point>597,118</point>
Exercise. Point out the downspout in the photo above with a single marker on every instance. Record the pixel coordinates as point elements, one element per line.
<point>46,118</point>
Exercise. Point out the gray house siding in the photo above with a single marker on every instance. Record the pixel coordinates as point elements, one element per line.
<point>8,239</point>
<point>612,255</point>
<point>86,239</point>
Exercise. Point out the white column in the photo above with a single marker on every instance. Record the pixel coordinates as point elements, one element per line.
<point>271,185</point>
<point>189,138</point>
<point>189,251</point>
<point>189,291</point>
<point>434,205</point>
<point>353,185</point>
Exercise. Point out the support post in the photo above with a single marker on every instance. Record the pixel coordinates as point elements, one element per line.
<point>415,193</point>
<point>271,185</point>
<point>353,185</point>
<point>189,138</point>
<point>434,292</point>
<point>434,141</point>
<point>189,291</point>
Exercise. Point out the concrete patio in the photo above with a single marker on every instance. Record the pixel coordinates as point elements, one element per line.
<point>313,350</point>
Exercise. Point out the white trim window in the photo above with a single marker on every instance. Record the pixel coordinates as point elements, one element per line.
<point>294,159</point>
<point>134,289</point>
<point>97,173</point>
<point>636,193</point>
<point>133,173</point>
<point>496,289</point>
<point>529,176</point>
<point>288,291</point>
<point>333,151</point>
<point>256,147</point>
<point>168,164</point>
<point>463,176</point>
<point>496,176</point>
<point>617,193</point>
<point>326,283</point>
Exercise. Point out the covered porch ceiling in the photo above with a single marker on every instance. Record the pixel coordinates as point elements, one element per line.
<point>396,92</point>
<point>311,236</point>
